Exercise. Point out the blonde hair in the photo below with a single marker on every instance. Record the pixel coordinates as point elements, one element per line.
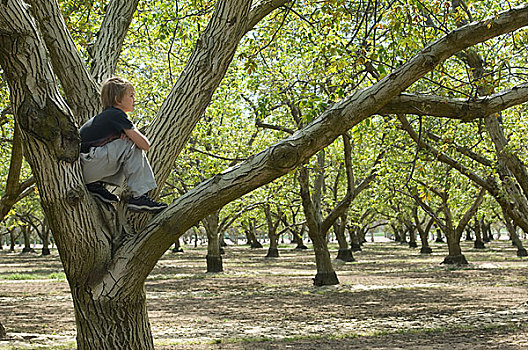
<point>113,90</point>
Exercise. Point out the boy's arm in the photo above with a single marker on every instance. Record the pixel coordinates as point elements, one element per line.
<point>138,138</point>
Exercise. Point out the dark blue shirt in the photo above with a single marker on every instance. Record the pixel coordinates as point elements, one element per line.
<point>103,128</point>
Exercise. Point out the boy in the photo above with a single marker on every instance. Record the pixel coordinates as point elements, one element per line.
<point>112,150</point>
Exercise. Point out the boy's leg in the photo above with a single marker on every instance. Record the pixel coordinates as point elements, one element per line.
<point>96,168</point>
<point>97,165</point>
<point>134,166</point>
<point>138,173</point>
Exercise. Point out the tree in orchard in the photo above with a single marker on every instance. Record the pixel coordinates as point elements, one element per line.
<point>106,280</point>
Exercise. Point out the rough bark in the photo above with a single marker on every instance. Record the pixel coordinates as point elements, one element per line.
<point>464,109</point>
<point>80,90</point>
<point>106,50</point>
<point>108,323</point>
<point>200,77</point>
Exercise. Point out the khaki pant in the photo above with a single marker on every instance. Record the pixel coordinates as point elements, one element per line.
<point>117,161</point>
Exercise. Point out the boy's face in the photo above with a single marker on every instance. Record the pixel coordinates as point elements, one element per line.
<point>127,102</point>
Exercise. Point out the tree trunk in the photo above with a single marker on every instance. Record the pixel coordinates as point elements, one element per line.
<point>455,256</point>
<point>412,236</point>
<point>485,229</point>
<point>355,245</point>
<point>26,232</point>
<point>521,251</point>
<point>221,240</point>
<point>214,258</point>
<point>479,244</point>
<point>403,235</point>
<point>12,239</point>
<point>344,253</point>
<point>424,234</point>
<point>273,251</point>
<point>2,332</point>
<point>112,323</point>
<point>468,234</point>
<point>326,275</point>
<point>396,232</point>
<point>439,238</point>
<point>177,247</point>
<point>52,141</point>
<point>252,238</point>
<point>312,211</point>
<point>298,238</point>
<point>45,241</point>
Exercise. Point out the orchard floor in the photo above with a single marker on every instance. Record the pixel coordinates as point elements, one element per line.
<point>390,298</point>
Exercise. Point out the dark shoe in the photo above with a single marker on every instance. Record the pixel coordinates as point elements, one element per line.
<point>98,190</point>
<point>145,203</point>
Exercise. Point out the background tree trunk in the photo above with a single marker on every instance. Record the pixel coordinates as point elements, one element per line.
<point>312,211</point>
<point>412,235</point>
<point>521,251</point>
<point>26,233</point>
<point>251,236</point>
<point>479,243</point>
<point>355,244</point>
<point>439,238</point>
<point>273,251</point>
<point>214,258</point>
<point>344,253</point>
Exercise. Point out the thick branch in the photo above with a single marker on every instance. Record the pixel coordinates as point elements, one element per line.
<point>81,91</point>
<point>194,88</point>
<point>456,108</point>
<point>107,48</point>
<point>505,155</point>
<point>261,10</point>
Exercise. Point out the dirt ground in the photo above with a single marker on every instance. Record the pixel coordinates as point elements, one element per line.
<point>390,298</point>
